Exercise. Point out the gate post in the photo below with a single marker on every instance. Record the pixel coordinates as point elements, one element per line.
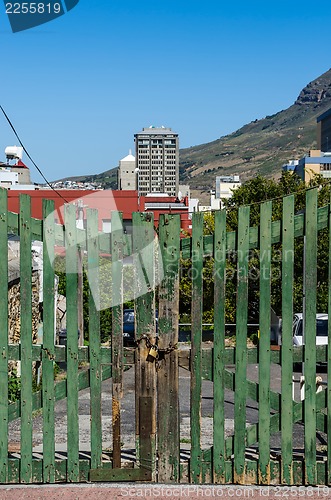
<point>145,393</point>
<point>167,375</point>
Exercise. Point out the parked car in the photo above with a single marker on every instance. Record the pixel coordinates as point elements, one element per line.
<point>128,326</point>
<point>321,329</point>
<point>298,334</point>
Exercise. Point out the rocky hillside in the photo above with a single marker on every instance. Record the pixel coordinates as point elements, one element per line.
<point>262,145</point>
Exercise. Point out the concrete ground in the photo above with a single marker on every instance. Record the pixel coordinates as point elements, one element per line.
<point>133,491</point>
<point>128,420</point>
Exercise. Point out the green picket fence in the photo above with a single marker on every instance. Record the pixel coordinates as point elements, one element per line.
<point>247,455</point>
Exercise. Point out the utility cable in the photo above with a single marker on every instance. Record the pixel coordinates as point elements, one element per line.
<point>28,155</point>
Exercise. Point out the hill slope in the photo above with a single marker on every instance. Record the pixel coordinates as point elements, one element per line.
<point>260,146</point>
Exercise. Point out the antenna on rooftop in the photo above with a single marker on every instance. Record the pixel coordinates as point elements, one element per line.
<point>13,153</point>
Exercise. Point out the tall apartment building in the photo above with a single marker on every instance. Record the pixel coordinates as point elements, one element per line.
<point>157,161</point>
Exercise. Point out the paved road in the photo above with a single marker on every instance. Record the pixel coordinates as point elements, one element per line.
<point>128,408</point>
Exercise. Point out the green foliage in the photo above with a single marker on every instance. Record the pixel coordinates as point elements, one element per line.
<point>14,387</point>
<point>101,290</point>
<point>253,193</point>
<point>261,189</point>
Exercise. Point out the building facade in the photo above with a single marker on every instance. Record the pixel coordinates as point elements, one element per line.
<point>324,131</point>
<point>157,161</point>
<point>127,175</point>
<point>225,185</point>
<point>317,162</point>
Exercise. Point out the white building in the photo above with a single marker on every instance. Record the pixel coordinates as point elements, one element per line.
<point>127,175</point>
<point>8,179</point>
<point>225,185</point>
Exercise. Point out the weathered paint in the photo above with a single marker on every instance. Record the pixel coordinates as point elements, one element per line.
<point>72,343</point>
<point>264,343</point>
<point>241,346</point>
<point>310,277</point>
<point>196,337</point>
<point>3,338</point>
<point>48,352</point>
<point>287,339</point>
<point>94,336</point>
<point>26,338</point>
<point>219,347</point>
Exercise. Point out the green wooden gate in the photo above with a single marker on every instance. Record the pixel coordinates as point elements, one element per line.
<point>246,455</point>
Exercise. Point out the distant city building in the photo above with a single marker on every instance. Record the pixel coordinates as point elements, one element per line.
<point>8,178</point>
<point>127,174</point>
<point>225,185</point>
<point>317,162</point>
<point>184,190</point>
<point>23,173</point>
<point>17,175</point>
<point>193,206</point>
<point>290,166</point>
<point>324,131</point>
<point>157,161</point>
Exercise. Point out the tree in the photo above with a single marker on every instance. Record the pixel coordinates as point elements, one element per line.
<point>260,189</point>
<point>253,193</point>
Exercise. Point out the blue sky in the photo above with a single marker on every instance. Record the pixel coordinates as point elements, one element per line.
<point>79,87</point>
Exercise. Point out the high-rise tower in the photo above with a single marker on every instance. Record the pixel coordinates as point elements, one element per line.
<point>157,161</point>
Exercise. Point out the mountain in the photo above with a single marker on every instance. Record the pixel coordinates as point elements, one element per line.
<point>107,179</point>
<point>260,146</point>
<point>263,145</point>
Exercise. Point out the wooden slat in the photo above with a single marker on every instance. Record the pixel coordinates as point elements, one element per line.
<point>287,339</point>
<point>72,343</point>
<point>143,261</point>
<point>167,375</point>
<point>48,352</point>
<point>105,475</point>
<point>241,346</point>
<point>310,283</point>
<point>264,343</point>
<point>94,336</point>
<point>252,430</point>
<point>219,347</point>
<point>3,337</point>
<point>117,331</point>
<point>26,338</point>
<point>328,478</point>
<point>196,384</point>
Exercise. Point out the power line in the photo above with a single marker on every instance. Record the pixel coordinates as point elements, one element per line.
<point>28,155</point>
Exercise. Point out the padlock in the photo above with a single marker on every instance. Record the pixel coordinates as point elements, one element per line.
<point>153,351</point>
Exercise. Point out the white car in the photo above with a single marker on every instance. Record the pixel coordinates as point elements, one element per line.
<point>321,330</point>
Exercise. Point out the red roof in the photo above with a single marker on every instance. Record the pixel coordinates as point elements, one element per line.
<point>20,164</point>
<point>104,201</point>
